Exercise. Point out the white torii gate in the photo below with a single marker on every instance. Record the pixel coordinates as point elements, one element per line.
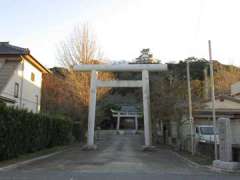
<point>144,84</point>
<point>119,114</point>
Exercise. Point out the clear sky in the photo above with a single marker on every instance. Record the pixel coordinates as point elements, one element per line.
<point>172,29</point>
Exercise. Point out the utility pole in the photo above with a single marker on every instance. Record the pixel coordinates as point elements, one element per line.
<point>206,83</point>
<point>213,100</point>
<point>190,108</point>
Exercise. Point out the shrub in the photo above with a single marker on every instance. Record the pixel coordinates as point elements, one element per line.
<point>24,132</point>
<point>78,134</point>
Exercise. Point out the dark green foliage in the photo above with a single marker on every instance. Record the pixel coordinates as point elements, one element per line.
<point>127,76</point>
<point>196,68</point>
<point>24,132</point>
<point>108,107</point>
<point>2,103</point>
<point>77,131</point>
<point>104,112</point>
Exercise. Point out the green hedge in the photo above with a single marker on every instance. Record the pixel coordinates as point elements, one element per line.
<point>25,132</point>
<point>77,132</point>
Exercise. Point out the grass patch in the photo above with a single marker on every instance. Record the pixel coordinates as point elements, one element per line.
<point>199,159</point>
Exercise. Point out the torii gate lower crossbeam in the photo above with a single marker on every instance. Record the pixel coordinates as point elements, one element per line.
<point>144,84</point>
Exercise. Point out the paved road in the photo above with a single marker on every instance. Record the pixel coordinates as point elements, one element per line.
<point>118,157</point>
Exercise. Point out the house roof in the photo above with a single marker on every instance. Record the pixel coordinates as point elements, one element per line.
<point>8,49</point>
<point>226,106</point>
<point>36,63</point>
<point>206,114</point>
<point>223,97</point>
<point>222,102</point>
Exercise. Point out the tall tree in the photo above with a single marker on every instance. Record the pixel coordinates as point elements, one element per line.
<point>81,48</point>
<point>72,90</point>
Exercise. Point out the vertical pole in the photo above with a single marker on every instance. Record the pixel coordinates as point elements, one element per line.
<point>118,121</point>
<point>190,108</point>
<point>161,127</point>
<point>206,84</point>
<point>22,81</point>
<point>146,108</point>
<point>136,123</point>
<point>213,99</point>
<point>92,108</point>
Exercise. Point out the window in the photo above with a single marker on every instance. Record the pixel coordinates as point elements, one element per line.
<point>207,130</point>
<point>197,130</point>
<point>16,90</point>
<point>1,64</point>
<point>32,76</point>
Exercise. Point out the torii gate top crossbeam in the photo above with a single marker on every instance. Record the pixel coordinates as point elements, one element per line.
<point>121,67</point>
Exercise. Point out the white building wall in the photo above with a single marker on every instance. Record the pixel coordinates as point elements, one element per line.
<point>1,63</point>
<point>235,127</point>
<point>8,90</point>
<point>29,91</point>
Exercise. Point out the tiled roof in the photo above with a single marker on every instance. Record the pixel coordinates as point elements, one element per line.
<point>6,48</point>
<point>129,108</point>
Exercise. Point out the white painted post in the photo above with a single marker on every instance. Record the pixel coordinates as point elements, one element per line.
<point>136,123</point>
<point>118,121</point>
<point>91,110</point>
<point>146,108</point>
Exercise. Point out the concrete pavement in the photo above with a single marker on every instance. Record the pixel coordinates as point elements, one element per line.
<point>118,157</point>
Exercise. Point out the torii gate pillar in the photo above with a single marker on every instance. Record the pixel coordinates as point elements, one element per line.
<point>146,108</point>
<point>118,121</point>
<point>91,111</point>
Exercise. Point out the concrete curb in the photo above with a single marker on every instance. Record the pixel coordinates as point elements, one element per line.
<point>219,170</point>
<point>194,164</point>
<point>15,165</point>
<point>209,167</point>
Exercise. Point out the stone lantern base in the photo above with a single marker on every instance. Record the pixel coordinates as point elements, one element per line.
<point>89,147</point>
<point>227,166</point>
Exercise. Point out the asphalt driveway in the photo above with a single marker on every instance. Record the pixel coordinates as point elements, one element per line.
<point>118,157</point>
